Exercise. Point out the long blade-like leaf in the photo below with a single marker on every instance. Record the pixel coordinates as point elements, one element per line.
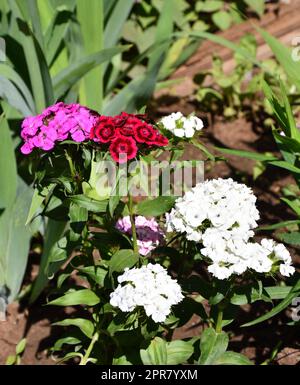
<point>13,97</point>
<point>295,291</point>
<point>163,30</point>
<point>8,166</point>
<point>53,233</point>
<point>284,55</point>
<point>116,21</point>
<point>90,17</point>
<point>69,76</point>
<point>10,74</point>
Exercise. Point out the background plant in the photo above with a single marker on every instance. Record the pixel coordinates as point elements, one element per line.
<point>286,135</point>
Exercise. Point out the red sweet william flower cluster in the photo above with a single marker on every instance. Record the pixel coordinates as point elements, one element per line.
<point>126,134</point>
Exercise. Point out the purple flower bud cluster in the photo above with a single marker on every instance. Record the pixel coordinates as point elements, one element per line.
<point>55,124</point>
<point>148,232</point>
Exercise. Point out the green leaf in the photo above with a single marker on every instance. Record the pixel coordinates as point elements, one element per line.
<point>286,166</point>
<point>155,207</point>
<point>257,5</point>
<point>96,273</point>
<point>164,29</point>
<point>36,63</point>
<point>14,241</point>
<point>232,358</point>
<point>156,353</point>
<point>291,238</point>
<point>222,19</point>
<point>178,352</point>
<point>11,359</point>
<point>66,340</point>
<point>116,22</point>
<point>113,203</point>
<point>283,113</point>
<point>37,199</point>
<point>89,204</point>
<point>284,55</point>
<point>135,94</point>
<point>250,294</point>
<point>8,166</point>
<point>279,225</point>
<point>294,292</point>
<point>10,74</point>
<point>69,76</point>
<point>78,297</point>
<point>90,17</point>
<point>212,346</point>
<point>78,217</point>
<point>36,21</point>
<point>55,34</point>
<point>13,97</point>
<point>84,325</point>
<point>21,346</point>
<point>248,154</point>
<point>209,6</point>
<point>121,259</point>
<point>294,205</point>
<point>121,361</point>
<point>69,356</point>
<point>53,234</point>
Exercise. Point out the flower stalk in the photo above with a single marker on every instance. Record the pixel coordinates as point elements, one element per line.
<point>219,319</point>
<point>88,352</point>
<point>132,221</point>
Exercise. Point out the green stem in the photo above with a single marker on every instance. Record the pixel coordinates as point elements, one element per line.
<point>219,320</point>
<point>71,165</point>
<point>88,352</point>
<point>132,220</point>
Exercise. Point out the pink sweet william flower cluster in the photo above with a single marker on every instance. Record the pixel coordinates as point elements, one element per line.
<point>55,124</point>
<point>148,232</point>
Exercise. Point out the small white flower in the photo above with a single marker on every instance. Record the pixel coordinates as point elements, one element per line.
<point>179,132</point>
<point>181,126</point>
<point>221,214</point>
<point>149,287</point>
<point>286,270</point>
<point>220,272</point>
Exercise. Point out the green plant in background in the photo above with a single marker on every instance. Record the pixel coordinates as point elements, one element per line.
<point>15,197</point>
<point>238,93</point>
<point>287,137</point>
<point>16,358</point>
<point>187,16</point>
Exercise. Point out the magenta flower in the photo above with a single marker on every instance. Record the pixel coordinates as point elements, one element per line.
<point>55,124</point>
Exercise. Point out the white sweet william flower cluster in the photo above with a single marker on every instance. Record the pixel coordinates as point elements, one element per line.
<point>221,214</point>
<point>149,287</point>
<point>220,204</point>
<point>181,126</point>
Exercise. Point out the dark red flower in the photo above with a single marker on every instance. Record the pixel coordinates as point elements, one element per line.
<point>159,140</point>
<point>144,133</point>
<point>123,148</point>
<point>128,127</point>
<point>120,120</point>
<point>104,131</point>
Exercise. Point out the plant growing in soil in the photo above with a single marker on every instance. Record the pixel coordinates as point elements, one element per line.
<point>140,268</point>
